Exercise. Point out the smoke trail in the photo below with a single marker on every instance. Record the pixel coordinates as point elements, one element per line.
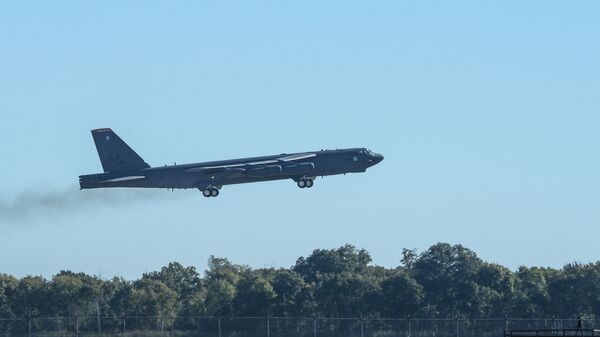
<point>31,203</point>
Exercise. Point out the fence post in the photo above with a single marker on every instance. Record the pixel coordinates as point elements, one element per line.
<point>162,326</point>
<point>362,327</point>
<point>219,326</point>
<point>76,325</point>
<point>123,318</point>
<point>409,327</point>
<point>457,328</point>
<point>268,325</point>
<point>172,325</point>
<point>98,317</point>
<point>29,325</point>
<point>314,326</point>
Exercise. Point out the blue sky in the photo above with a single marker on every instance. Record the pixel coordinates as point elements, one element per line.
<point>487,114</point>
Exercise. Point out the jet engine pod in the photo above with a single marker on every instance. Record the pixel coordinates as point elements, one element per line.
<point>299,169</point>
<point>264,171</point>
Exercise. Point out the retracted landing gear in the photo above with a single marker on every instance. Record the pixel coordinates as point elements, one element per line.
<point>305,182</point>
<point>210,192</point>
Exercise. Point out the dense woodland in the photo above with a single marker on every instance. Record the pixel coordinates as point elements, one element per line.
<point>443,281</point>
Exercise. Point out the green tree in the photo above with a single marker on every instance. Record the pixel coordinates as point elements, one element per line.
<point>445,280</point>
<point>221,280</point>
<point>293,297</point>
<point>532,297</point>
<point>254,295</point>
<point>400,295</point>
<point>116,294</point>
<point>31,297</point>
<point>196,304</point>
<point>75,293</point>
<point>448,275</point>
<point>184,280</point>
<point>575,290</point>
<point>342,280</point>
<point>335,261</point>
<point>409,256</point>
<point>8,287</point>
<point>152,298</point>
<point>496,290</point>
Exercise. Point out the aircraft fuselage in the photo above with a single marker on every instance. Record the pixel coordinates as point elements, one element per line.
<point>119,162</point>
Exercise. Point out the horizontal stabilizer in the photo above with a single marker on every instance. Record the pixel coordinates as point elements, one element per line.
<point>130,178</point>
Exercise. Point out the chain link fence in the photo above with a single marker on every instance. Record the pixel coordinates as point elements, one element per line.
<point>273,326</point>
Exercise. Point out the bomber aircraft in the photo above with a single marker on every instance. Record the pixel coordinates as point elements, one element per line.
<point>125,168</point>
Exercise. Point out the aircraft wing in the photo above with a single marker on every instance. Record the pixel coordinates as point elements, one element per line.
<point>219,171</point>
<point>240,170</point>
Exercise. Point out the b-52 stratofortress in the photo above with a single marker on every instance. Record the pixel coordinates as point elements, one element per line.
<point>125,168</point>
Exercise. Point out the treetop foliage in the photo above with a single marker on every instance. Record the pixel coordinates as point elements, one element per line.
<point>444,281</point>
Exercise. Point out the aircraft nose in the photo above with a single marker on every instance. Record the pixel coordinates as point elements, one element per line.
<point>377,158</point>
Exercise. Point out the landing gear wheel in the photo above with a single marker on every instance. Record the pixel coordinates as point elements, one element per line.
<point>207,192</point>
<point>309,183</point>
<point>214,192</point>
<point>302,183</point>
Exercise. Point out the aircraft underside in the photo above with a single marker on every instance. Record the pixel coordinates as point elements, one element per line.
<point>213,190</point>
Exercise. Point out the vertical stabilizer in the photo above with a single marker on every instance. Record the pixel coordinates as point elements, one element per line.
<point>114,154</point>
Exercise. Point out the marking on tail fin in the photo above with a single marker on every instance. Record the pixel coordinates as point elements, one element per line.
<point>115,155</point>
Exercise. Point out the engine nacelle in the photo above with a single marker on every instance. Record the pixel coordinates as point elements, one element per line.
<point>299,169</point>
<point>265,171</point>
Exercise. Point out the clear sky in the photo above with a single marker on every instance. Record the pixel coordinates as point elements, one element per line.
<point>487,112</point>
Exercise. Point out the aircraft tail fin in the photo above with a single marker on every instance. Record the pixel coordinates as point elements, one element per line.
<point>114,153</point>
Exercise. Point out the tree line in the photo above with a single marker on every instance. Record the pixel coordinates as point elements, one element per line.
<point>445,281</point>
